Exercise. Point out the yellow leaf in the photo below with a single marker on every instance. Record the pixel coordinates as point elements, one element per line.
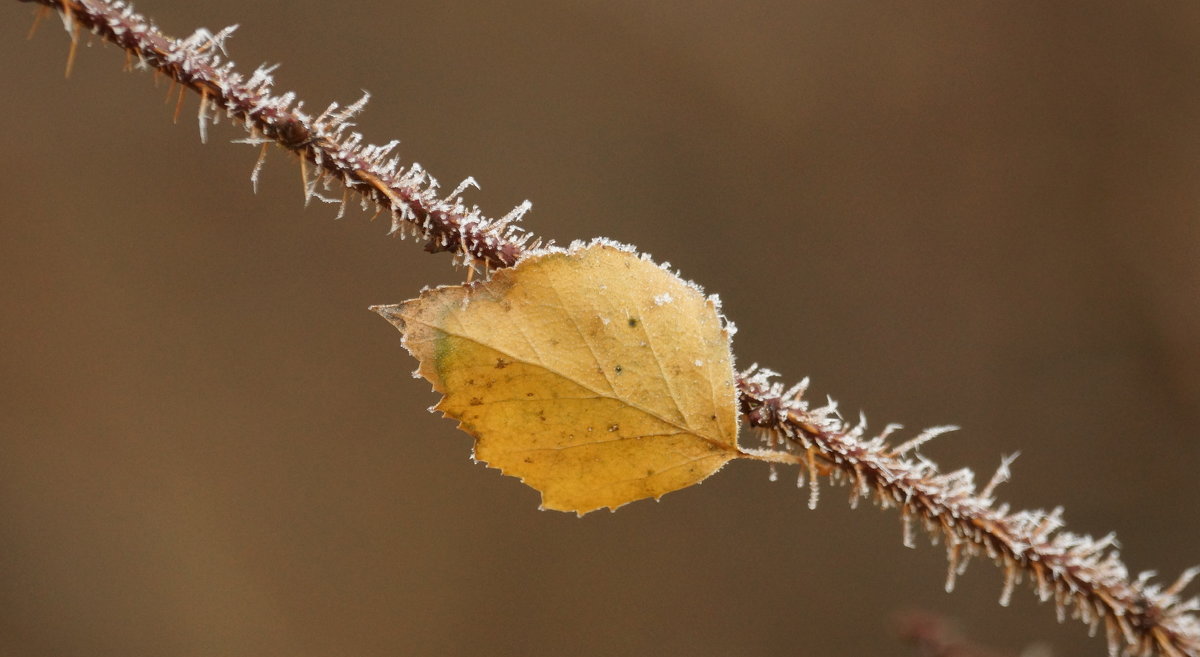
<point>594,375</point>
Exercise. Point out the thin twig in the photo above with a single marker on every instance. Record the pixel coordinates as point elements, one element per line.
<point>1084,576</point>
<point>409,194</point>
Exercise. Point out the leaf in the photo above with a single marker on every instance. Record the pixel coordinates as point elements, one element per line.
<point>594,375</point>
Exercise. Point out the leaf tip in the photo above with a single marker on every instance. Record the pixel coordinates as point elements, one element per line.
<point>391,313</point>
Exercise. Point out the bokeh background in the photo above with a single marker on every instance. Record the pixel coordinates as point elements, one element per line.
<point>976,213</point>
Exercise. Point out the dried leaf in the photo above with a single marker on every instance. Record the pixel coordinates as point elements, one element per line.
<point>594,375</point>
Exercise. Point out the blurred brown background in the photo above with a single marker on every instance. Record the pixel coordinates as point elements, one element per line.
<point>975,213</point>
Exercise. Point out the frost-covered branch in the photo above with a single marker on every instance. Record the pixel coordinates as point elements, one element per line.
<point>1084,576</point>
<point>409,194</point>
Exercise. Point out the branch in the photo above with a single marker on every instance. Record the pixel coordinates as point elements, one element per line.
<point>1084,576</point>
<point>934,636</point>
<point>409,195</point>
